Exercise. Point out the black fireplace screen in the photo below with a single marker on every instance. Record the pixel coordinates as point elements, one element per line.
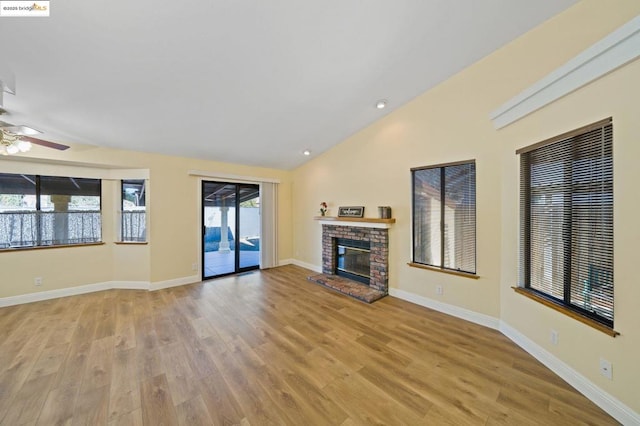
<point>353,259</point>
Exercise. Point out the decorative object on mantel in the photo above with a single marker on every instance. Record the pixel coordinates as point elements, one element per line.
<point>357,211</point>
<point>384,212</point>
<point>323,208</point>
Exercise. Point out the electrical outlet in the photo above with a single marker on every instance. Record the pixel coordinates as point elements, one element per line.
<point>439,290</point>
<point>553,337</point>
<point>606,369</point>
<point>37,281</point>
<point>194,266</point>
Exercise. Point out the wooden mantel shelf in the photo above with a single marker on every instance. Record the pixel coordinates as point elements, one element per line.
<point>356,222</point>
<point>354,219</point>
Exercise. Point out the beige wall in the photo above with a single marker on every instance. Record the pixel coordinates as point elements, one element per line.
<point>451,123</point>
<point>174,220</point>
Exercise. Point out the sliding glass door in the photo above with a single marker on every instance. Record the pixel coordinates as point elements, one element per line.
<point>231,228</point>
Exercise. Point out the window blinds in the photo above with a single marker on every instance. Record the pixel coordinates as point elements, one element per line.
<point>567,219</point>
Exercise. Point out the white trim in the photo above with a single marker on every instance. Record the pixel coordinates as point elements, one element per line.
<point>159,285</point>
<point>92,288</point>
<point>604,400</point>
<point>613,51</point>
<point>284,262</point>
<point>46,167</point>
<point>355,224</point>
<point>228,177</point>
<point>456,311</point>
<point>53,294</point>
<point>306,265</point>
<point>129,285</point>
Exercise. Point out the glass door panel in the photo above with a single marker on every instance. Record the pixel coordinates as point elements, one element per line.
<point>231,228</point>
<point>249,227</point>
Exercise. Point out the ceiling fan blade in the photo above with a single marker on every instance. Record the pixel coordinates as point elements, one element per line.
<point>44,143</point>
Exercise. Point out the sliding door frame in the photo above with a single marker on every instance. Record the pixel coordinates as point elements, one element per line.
<point>236,241</point>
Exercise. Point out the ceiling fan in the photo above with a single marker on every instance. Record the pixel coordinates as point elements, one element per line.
<point>14,139</point>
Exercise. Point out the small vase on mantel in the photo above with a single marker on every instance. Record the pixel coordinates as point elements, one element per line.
<point>323,208</point>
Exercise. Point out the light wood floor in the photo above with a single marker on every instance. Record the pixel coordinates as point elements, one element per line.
<point>266,348</point>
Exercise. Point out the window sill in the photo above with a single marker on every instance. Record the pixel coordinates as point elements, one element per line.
<point>15,249</point>
<point>446,271</point>
<point>131,243</point>
<point>568,312</point>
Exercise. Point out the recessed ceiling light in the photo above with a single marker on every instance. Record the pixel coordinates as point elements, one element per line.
<point>306,152</point>
<point>381,104</point>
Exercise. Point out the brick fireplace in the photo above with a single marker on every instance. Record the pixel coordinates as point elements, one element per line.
<point>378,239</point>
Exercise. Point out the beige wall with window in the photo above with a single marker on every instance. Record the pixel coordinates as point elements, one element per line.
<point>451,123</point>
<point>173,220</point>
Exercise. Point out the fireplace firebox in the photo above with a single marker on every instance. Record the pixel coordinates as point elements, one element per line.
<point>353,259</point>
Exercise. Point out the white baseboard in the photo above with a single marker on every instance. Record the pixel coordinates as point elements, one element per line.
<point>92,288</point>
<point>284,262</point>
<point>159,285</point>
<point>52,294</point>
<point>614,407</point>
<point>306,265</point>
<point>129,285</point>
<point>456,311</point>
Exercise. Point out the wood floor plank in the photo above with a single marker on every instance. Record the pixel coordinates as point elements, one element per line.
<point>98,367</point>
<point>26,406</point>
<point>157,406</point>
<point>133,418</point>
<point>256,405</point>
<point>220,402</point>
<point>124,390</point>
<point>193,413</point>
<point>180,377</point>
<point>267,347</point>
<point>92,407</point>
<point>59,406</point>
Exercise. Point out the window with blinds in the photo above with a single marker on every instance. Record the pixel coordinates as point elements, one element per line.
<point>566,197</point>
<point>444,216</point>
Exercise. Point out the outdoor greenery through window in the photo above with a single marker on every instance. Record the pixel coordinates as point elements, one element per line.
<point>133,223</point>
<point>444,216</point>
<point>566,197</point>
<point>48,210</point>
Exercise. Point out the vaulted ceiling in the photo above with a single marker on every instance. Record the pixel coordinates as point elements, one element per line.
<point>251,82</point>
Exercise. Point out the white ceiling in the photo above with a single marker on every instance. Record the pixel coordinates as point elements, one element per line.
<point>251,82</point>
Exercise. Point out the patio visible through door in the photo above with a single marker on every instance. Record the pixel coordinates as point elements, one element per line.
<point>230,228</point>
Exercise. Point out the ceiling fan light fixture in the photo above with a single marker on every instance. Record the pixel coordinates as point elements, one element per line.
<point>12,149</point>
<point>23,146</point>
<point>11,144</point>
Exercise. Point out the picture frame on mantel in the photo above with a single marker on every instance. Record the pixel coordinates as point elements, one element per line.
<point>351,211</point>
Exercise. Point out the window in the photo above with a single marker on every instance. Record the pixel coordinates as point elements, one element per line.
<point>133,224</point>
<point>444,216</point>
<point>48,210</point>
<point>566,197</point>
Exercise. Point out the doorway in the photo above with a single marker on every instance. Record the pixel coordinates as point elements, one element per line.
<point>230,228</point>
